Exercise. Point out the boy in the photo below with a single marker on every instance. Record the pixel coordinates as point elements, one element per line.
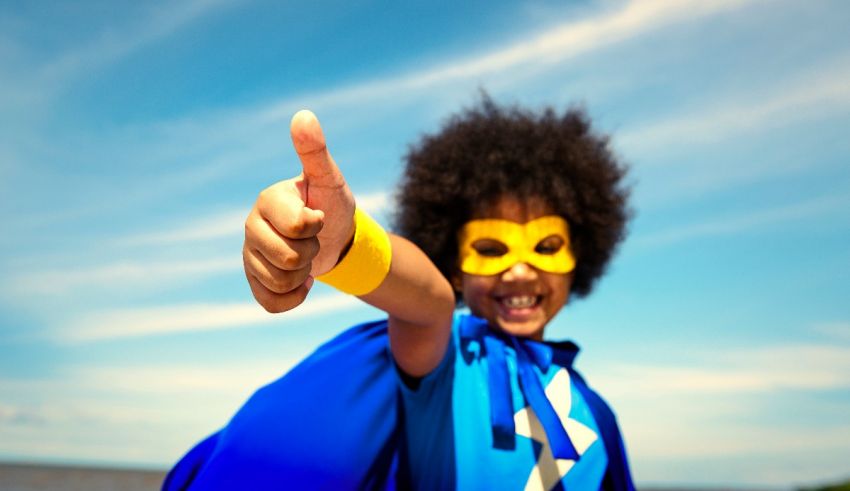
<point>507,212</point>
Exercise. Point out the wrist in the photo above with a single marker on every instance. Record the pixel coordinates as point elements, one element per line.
<point>365,261</point>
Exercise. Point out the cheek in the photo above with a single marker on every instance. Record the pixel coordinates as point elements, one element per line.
<point>560,286</point>
<point>475,288</point>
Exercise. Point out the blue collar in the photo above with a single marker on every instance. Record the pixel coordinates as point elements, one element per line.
<point>528,354</point>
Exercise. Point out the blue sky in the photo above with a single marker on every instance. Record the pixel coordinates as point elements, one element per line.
<point>136,136</point>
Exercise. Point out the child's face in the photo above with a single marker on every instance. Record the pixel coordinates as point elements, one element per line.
<point>522,299</point>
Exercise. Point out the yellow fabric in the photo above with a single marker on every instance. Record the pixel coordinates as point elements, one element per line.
<point>520,241</point>
<point>367,261</point>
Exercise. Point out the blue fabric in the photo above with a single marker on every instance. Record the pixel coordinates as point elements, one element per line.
<point>191,463</point>
<point>336,421</point>
<point>483,379</point>
<point>499,382</point>
<point>618,477</point>
<point>562,447</point>
<point>330,423</point>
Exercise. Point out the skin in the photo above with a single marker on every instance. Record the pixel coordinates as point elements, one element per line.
<point>484,295</point>
<point>297,230</point>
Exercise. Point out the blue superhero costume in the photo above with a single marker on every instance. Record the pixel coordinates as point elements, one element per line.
<point>342,419</point>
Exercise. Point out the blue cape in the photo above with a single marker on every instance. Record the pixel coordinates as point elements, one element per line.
<point>335,421</point>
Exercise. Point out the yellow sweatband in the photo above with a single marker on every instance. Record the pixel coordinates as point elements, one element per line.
<point>517,243</point>
<point>367,262</point>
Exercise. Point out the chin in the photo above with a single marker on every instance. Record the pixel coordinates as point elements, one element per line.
<point>530,330</point>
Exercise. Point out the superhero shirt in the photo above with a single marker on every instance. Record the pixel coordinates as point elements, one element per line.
<point>341,419</point>
<point>479,422</point>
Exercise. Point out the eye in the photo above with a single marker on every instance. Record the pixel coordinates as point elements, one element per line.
<point>490,247</point>
<point>549,245</point>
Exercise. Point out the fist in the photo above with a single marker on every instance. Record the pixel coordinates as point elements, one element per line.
<point>298,228</point>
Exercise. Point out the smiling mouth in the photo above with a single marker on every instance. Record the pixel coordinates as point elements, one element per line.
<point>520,302</point>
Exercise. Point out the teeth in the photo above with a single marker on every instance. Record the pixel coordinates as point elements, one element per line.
<point>519,301</point>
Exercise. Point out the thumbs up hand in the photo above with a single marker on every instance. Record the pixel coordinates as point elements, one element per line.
<point>298,228</point>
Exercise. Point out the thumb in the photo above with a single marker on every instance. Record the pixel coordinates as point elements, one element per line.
<point>309,142</point>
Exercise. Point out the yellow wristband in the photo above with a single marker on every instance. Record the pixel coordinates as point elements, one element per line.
<point>367,262</point>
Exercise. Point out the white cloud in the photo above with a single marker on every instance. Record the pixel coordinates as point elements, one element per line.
<point>224,224</point>
<point>199,380</point>
<point>562,42</point>
<point>159,268</point>
<point>819,92</point>
<point>66,398</point>
<point>203,138</point>
<point>838,331</point>
<point>192,229</point>
<point>109,413</point>
<point>720,404</point>
<point>743,222</point>
<point>675,436</point>
<point>236,136</point>
<point>119,275</point>
<point>377,202</point>
<point>159,320</point>
<point>112,44</point>
<point>29,86</point>
<point>753,370</point>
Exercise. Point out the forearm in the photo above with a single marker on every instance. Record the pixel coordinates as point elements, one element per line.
<point>420,303</point>
<point>298,229</point>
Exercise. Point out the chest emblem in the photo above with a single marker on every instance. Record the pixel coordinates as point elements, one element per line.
<point>548,470</point>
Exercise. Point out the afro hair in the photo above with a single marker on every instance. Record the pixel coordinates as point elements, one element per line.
<point>489,151</point>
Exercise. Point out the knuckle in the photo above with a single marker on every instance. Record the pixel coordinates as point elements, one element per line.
<point>297,227</point>
<point>276,253</point>
<point>280,283</point>
<point>291,261</point>
<point>265,194</point>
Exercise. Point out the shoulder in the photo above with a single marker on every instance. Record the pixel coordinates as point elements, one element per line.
<point>598,405</point>
<point>618,476</point>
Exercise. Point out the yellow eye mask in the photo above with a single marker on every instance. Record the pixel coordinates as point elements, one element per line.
<point>492,245</point>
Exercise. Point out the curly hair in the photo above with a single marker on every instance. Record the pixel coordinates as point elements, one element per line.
<point>489,151</point>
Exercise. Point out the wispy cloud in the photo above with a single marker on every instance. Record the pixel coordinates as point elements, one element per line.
<point>713,406</point>
<point>224,224</point>
<point>564,41</point>
<point>119,274</point>
<point>54,417</point>
<point>557,44</point>
<point>112,44</point>
<point>210,137</point>
<point>821,91</point>
<point>838,331</point>
<point>203,380</point>
<point>199,229</point>
<point>747,221</point>
<point>159,267</point>
<point>221,134</point>
<point>750,370</point>
<point>167,319</point>
<point>29,88</point>
<point>377,202</point>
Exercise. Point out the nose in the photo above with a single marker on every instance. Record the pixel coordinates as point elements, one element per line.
<point>519,272</point>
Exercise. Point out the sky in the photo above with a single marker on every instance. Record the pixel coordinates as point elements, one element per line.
<point>135,136</point>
